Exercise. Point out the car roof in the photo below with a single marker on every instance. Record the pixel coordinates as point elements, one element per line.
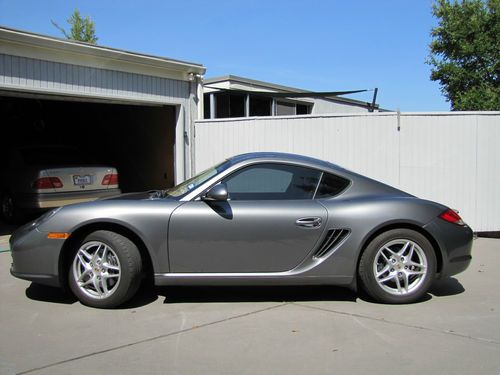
<point>285,157</point>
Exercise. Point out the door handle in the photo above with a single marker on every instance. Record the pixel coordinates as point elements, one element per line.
<point>309,222</point>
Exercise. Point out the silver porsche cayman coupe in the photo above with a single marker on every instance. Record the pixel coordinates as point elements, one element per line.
<point>254,219</point>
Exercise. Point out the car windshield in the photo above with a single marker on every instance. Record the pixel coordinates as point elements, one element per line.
<point>188,185</point>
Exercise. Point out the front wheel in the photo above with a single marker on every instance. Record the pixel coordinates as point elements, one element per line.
<point>398,266</point>
<point>106,270</point>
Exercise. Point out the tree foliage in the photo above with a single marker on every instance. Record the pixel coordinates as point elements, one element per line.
<point>82,29</point>
<point>465,53</point>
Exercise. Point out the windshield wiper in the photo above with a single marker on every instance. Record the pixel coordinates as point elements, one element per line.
<point>157,193</point>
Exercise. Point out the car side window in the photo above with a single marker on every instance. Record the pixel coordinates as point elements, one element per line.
<point>331,186</point>
<point>272,182</point>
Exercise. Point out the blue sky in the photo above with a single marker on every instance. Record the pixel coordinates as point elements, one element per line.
<point>315,45</point>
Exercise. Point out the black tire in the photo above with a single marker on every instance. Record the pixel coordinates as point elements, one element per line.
<point>9,211</point>
<point>122,253</point>
<point>398,268</point>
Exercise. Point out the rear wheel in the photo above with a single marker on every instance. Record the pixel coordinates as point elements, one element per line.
<point>398,266</point>
<point>106,270</point>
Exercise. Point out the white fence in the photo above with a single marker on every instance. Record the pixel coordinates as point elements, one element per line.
<point>452,158</point>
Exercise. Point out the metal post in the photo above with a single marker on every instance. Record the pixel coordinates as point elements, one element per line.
<point>372,107</point>
<point>247,105</point>
<point>212,105</point>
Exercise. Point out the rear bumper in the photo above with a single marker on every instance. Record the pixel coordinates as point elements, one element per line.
<point>38,201</point>
<point>455,243</point>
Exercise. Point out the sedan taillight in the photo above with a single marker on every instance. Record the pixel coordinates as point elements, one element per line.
<point>452,217</point>
<point>47,183</point>
<point>110,179</point>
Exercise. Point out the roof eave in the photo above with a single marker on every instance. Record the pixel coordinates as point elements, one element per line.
<point>12,38</point>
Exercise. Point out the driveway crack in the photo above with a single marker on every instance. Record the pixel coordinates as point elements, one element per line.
<point>382,320</point>
<point>150,339</point>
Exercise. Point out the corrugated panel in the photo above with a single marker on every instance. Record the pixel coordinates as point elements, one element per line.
<point>450,158</point>
<point>335,139</point>
<point>26,73</point>
<point>488,173</point>
<point>438,160</point>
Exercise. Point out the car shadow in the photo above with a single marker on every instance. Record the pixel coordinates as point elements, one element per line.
<point>38,292</point>
<point>219,294</point>
<point>206,294</point>
<point>448,286</point>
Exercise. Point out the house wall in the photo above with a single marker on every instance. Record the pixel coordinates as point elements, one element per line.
<point>322,106</point>
<point>452,158</point>
<point>23,73</point>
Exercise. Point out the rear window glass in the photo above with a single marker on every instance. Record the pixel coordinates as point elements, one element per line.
<point>331,185</point>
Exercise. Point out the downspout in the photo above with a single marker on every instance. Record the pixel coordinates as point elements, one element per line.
<point>195,100</point>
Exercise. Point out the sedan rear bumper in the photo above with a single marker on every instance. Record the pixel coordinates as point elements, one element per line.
<point>51,200</point>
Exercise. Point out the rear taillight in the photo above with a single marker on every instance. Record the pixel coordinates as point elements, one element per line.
<point>110,179</point>
<point>48,183</point>
<point>452,217</point>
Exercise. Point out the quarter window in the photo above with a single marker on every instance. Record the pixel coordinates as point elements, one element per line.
<point>331,185</point>
<point>272,182</point>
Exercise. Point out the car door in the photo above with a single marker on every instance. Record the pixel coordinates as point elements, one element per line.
<point>269,224</point>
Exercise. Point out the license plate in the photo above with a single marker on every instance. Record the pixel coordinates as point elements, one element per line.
<point>82,180</point>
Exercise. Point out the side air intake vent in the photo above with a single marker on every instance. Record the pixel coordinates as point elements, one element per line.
<point>332,239</point>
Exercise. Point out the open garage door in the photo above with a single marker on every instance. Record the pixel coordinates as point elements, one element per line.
<point>138,140</point>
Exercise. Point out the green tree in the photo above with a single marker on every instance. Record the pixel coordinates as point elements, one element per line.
<point>465,53</point>
<point>82,29</point>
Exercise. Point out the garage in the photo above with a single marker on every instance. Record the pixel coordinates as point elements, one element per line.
<point>127,110</point>
<point>137,140</point>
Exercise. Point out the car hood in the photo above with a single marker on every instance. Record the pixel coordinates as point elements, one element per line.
<point>137,196</point>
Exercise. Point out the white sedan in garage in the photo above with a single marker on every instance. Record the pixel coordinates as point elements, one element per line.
<point>36,178</point>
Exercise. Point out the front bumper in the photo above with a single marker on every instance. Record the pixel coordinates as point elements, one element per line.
<point>34,256</point>
<point>37,201</point>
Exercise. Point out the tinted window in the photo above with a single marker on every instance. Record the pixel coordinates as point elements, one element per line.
<point>272,182</point>
<point>331,185</point>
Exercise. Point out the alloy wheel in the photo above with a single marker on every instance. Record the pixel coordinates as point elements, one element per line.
<point>400,266</point>
<point>96,270</point>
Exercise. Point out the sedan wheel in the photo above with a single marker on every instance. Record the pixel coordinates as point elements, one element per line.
<point>9,211</point>
<point>398,266</point>
<point>106,270</point>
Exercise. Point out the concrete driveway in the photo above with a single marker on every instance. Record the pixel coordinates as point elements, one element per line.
<point>313,330</point>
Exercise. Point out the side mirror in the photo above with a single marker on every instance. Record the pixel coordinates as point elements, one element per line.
<point>216,193</point>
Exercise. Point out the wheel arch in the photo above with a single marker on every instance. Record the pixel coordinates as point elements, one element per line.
<point>79,234</point>
<point>404,225</point>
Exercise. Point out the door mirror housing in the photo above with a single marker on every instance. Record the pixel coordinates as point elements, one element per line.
<point>216,193</point>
